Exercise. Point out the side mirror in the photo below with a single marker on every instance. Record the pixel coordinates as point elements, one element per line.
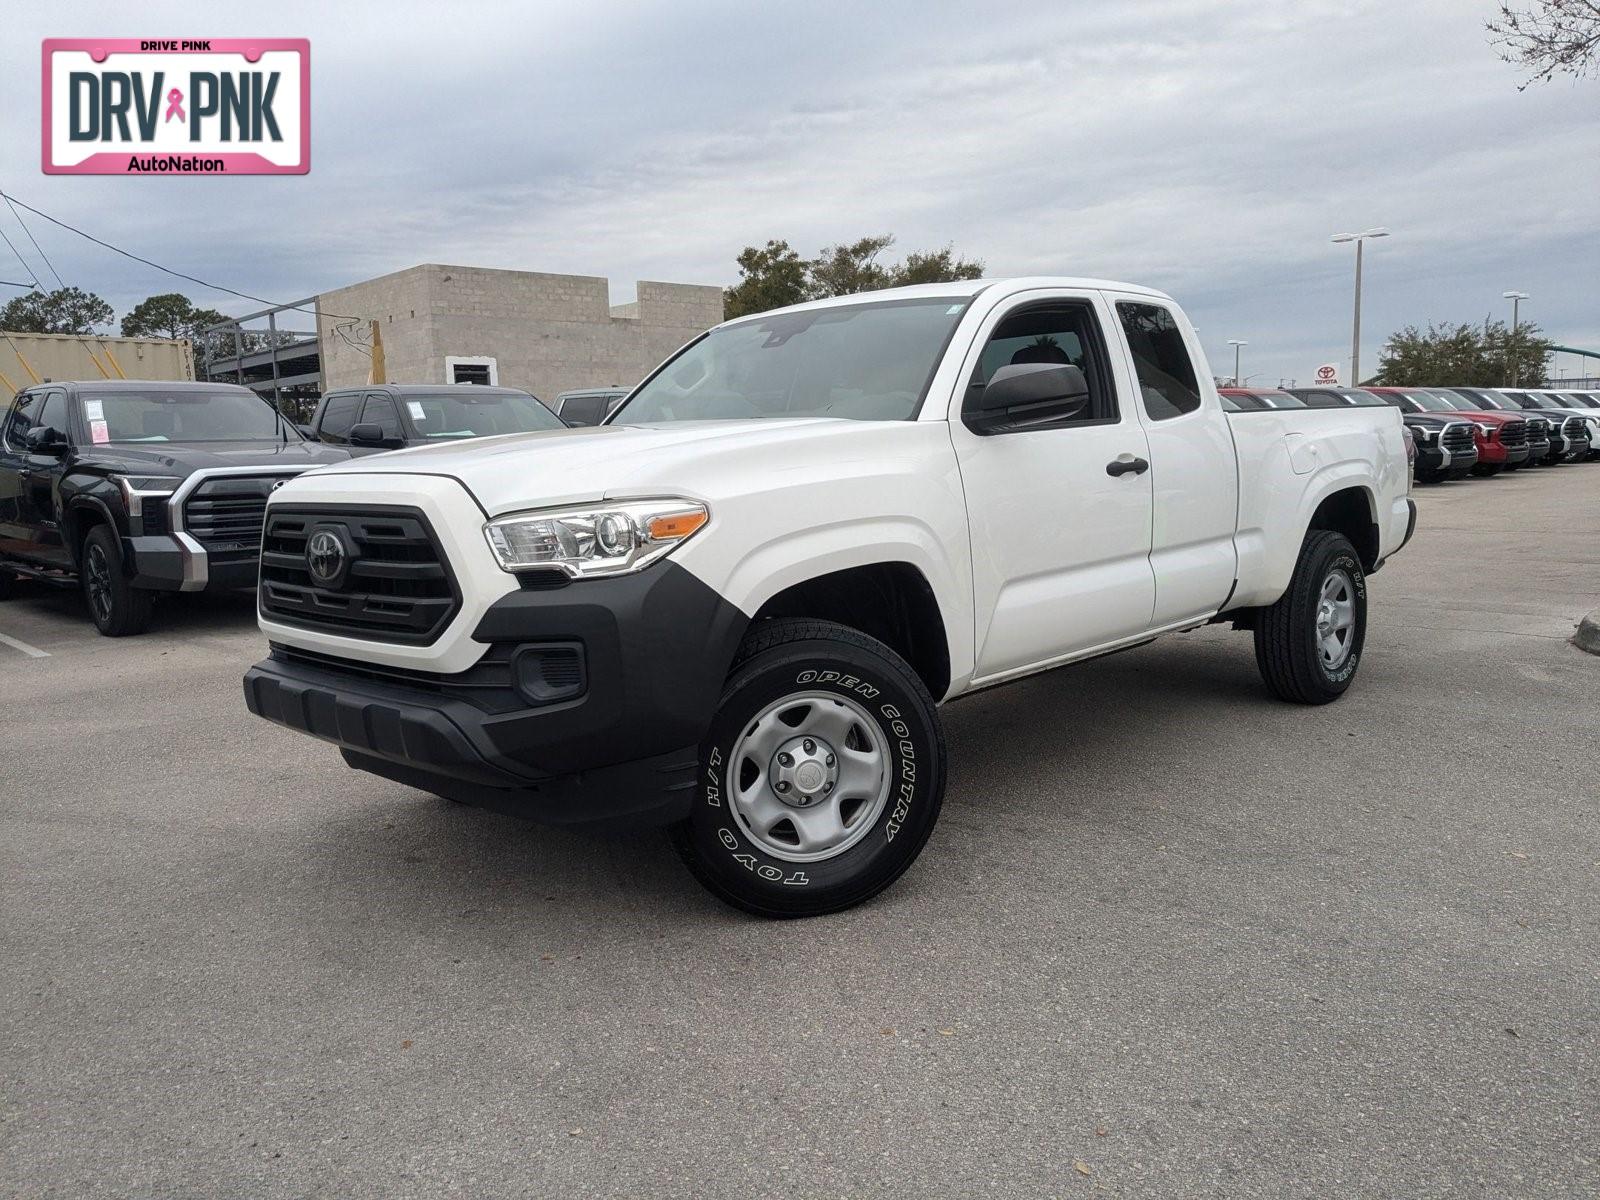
<point>45,439</point>
<point>1024,394</point>
<point>370,433</point>
<point>306,432</point>
<point>575,422</point>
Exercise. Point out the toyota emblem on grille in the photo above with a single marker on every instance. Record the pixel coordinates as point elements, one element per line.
<point>326,557</point>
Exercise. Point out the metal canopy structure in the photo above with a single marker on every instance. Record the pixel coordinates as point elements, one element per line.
<point>286,368</point>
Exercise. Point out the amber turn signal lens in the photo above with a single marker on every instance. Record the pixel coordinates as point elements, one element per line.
<point>676,525</point>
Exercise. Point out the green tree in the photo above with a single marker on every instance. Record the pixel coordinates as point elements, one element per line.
<point>844,270</point>
<point>1486,355</point>
<point>776,275</point>
<point>938,266</point>
<point>768,278</point>
<point>65,310</point>
<point>169,315</point>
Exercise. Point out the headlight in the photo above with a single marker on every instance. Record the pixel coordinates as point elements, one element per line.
<point>136,489</point>
<point>1422,432</point>
<point>595,540</point>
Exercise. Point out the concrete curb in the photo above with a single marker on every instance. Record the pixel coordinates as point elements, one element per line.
<point>1588,635</point>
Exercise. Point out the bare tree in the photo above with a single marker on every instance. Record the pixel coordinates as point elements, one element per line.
<point>1549,37</point>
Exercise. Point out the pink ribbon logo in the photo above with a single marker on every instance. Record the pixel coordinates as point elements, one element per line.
<point>175,106</point>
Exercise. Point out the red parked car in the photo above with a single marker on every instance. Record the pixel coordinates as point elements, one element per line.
<point>1502,436</point>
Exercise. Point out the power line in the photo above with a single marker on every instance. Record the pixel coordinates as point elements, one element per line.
<point>60,283</point>
<point>20,259</point>
<point>205,283</point>
<point>27,287</point>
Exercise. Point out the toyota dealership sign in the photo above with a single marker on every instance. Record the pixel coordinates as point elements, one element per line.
<point>210,106</point>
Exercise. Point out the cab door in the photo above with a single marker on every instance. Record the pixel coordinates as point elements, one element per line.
<point>1059,512</point>
<point>41,486</point>
<point>1194,469</point>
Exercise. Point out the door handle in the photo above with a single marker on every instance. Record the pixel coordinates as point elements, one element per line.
<point>1125,463</point>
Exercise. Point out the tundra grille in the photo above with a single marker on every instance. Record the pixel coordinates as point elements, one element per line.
<point>224,513</point>
<point>1575,428</point>
<point>1514,433</point>
<point>391,582</point>
<point>1457,438</point>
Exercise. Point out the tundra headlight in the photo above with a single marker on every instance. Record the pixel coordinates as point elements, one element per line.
<point>597,539</point>
<point>1422,433</point>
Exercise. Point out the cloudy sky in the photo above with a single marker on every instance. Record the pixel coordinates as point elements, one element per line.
<point>1207,148</point>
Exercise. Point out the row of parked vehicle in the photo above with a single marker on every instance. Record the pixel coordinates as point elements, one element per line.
<point>128,488</point>
<point>1460,431</point>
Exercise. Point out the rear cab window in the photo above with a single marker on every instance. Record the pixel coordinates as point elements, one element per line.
<point>1166,374</point>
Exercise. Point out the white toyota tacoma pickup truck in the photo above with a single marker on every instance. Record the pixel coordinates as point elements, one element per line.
<point>736,608</point>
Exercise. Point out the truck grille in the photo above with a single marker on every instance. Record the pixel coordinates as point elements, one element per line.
<point>224,513</point>
<point>1514,433</point>
<point>395,586</point>
<point>1575,428</point>
<point>1457,438</point>
<point>1538,432</point>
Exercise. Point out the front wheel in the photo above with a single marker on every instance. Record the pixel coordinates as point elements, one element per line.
<point>821,776</point>
<point>1308,644</point>
<point>119,609</point>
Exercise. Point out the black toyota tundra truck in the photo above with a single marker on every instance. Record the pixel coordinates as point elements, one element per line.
<point>127,488</point>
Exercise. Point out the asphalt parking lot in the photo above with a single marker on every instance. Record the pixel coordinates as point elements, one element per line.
<point>1171,937</point>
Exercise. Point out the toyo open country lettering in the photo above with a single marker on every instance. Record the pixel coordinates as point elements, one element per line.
<point>735,608</point>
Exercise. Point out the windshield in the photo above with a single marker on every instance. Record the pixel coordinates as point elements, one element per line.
<point>468,414</point>
<point>1362,396</point>
<point>1484,400</point>
<point>1431,402</point>
<point>182,416</point>
<point>1581,401</point>
<point>862,362</point>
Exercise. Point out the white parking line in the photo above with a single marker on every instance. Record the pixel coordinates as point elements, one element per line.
<point>30,651</point>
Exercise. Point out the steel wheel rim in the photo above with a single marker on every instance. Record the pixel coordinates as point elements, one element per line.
<point>99,583</point>
<point>1336,618</point>
<point>825,798</point>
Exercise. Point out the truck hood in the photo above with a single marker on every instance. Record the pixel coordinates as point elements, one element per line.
<point>694,458</point>
<point>160,458</point>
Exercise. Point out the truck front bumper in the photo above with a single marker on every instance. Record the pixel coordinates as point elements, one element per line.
<point>643,659</point>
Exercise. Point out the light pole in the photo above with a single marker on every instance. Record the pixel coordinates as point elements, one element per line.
<point>1516,299</point>
<point>1355,336</point>
<point>1236,343</point>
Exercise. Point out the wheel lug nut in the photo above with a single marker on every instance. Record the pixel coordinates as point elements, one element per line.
<point>811,747</point>
<point>831,760</point>
<point>827,787</point>
<point>786,759</point>
<point>783,785</point>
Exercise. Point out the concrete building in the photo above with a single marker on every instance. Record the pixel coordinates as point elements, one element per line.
<point>546,333</point>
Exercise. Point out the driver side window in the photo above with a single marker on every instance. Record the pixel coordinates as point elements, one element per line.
<point>1062,333</point>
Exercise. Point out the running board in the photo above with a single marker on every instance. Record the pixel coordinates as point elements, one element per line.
<point>54,578</point>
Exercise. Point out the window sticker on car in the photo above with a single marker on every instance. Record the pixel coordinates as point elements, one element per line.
<point>94,410</point>
<point>414,407</point>
<point>98,433</point>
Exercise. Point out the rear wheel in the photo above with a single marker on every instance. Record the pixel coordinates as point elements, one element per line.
<point>118,608</point>
<point>1308,644</point>
<point>822,774</point>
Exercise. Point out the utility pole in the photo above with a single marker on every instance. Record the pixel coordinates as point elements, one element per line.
<point>1236,343</point>
<point>1355,333</point>
<point>1516,299</point>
